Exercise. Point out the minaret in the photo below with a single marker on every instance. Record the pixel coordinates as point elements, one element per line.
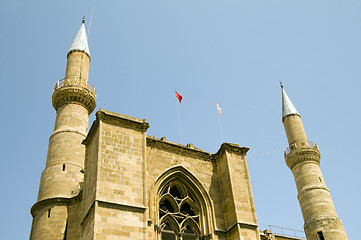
<point>303,158</point>
<point>73,99</point>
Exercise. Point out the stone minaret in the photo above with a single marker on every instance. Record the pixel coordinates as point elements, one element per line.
<point>303,158</point>
<point>73,99</point>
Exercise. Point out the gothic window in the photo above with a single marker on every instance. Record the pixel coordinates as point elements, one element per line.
<point>178,213</point>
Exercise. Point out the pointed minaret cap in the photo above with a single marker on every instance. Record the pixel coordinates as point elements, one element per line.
<point>80,41</point>
<point>287,107</point>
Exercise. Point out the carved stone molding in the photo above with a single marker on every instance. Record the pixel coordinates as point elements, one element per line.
<point>309,188</point>
<point>178,148</point>
<point>56,201</point>
<point>302,155</point>
<point>231,148</point>
<point>74,94</point>
<point>318,220</point>
<point>122,120</point>
<point>191,151</point>
<point>117,120</point>
<point>78,50</point>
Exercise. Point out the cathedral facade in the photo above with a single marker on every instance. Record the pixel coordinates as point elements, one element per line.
<point>115,182</point>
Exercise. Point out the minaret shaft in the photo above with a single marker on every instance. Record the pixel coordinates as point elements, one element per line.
<point>66,153</point>
<point>294,129</point>
<point>77,65</point>
<point>303,158</point>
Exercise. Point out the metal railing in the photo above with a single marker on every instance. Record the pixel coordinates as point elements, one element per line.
<point>287,232</point>
<point>74,81</point>
<point>305,144</point>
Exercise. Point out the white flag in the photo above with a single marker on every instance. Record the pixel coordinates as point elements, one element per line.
<point>219,109</point>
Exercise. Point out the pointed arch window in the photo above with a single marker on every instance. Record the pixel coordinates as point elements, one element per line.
<point>179,213</point>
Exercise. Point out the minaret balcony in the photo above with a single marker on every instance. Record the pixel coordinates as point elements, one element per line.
<point>74,81</point>
<point>298,145</point>
<point>302,152</point>
<point>74,89</point>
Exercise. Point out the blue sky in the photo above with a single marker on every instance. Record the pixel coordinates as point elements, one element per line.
<point>231,52</point>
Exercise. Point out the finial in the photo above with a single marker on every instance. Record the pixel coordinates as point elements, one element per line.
<point>281,85</point>
<point>83,21</point>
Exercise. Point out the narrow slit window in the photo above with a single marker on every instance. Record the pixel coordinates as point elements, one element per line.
<point>49,210</point>
<point>63,167</point>
<point>320,179</point>
<point>320,235</point>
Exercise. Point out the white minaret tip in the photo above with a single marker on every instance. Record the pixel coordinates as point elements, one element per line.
<point>287,107</point>
<point>81,41</point>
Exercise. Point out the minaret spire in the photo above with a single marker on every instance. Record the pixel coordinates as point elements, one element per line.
<point>81,41</point>
<point>287,106</point>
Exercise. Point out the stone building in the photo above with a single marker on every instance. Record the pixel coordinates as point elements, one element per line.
<point>115,182</point>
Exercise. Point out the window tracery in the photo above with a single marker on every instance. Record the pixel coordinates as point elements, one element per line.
<point>179,213</point>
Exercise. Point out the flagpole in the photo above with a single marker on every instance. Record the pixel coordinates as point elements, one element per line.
<point>220,127</point>
<point>179,123</point>
<point>90,22</point>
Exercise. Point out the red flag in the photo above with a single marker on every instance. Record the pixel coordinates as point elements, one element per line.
<point>178,96</point>
<point>219,109</point>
